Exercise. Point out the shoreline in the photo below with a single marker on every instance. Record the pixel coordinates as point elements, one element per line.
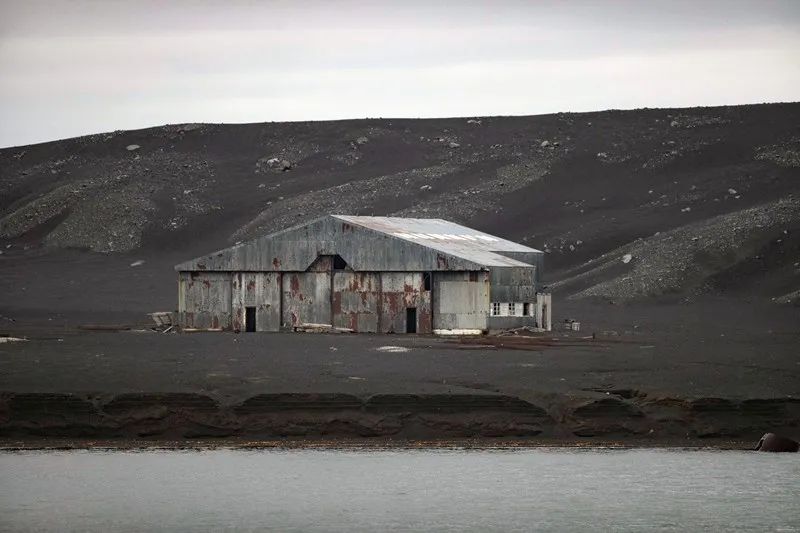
<point>367,445</point>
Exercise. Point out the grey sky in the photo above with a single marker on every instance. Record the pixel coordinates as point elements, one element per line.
<point>79,67</point>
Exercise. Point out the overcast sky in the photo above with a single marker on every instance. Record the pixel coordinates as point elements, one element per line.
<point>76,67</point>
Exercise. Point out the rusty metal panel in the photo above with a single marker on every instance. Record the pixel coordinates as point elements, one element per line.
<point>356,300</point>
<point>306,298</point>
<point>323,263</point>
<point>260,290</point>
<point>400,291</point>
<point>513,284</point>
<point>205,300</point>
<point>461,300</point>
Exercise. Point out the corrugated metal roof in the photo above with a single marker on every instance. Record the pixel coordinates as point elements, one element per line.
<point>446,237</point>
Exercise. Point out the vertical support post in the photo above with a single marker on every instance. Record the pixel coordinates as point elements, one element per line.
<point>548,325</point>
<point>539,320</point>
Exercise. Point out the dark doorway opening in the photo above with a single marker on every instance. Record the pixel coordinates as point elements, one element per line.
<point>411,320</point>
<point>426,281</point>
<point>249,319</point>
<point>339,263</point>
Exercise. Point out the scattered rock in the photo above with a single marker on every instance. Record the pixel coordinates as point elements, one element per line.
<point>132,147</point>
<point>274,164</point>
<point>627,258</point>
<point>454,145</point>
<point>732,192</point>
<point>785,154</point>
<point>362,140</point>
<point>137,263</point>
<point>474,121</point>
<point>545,144</point>
<point>425,188</point>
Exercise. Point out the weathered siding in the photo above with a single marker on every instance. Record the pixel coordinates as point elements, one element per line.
<point>356,300</point>
<point>306,298</point>
<point>204,300</point>
<point>399,291</point>
<point>365,250</point>
<point>510,322</point>
<point>534,258</point>
<point>513,284</point>
<point>461,300</point>
<point>261,290</point>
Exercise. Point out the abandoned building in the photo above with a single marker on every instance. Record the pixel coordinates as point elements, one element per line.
<point>367,274</point>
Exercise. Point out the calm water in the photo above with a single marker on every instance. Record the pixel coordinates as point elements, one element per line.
<point>312,490</point>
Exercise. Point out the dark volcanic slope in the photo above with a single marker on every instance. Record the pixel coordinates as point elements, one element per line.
<point>703,200</point>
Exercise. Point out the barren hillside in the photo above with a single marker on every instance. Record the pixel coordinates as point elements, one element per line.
<point>627,204</point>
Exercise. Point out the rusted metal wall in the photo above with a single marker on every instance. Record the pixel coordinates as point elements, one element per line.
<point>362,301</point>
<point>306,298</point>
<point>323,263</point>
<point>261,290</point>
<point>513,284</point>
<point>204,300</point>
<point>461,300</point>
<point>535,258</point>
<point>399,291</point>
<point>356,300</point>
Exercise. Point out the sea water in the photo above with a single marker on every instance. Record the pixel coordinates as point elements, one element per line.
<point>400,490</point>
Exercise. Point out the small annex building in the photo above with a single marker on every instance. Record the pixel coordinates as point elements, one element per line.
<point>367,274</point>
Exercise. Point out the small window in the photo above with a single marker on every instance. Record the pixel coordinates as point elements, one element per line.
<point>512,309</point>
<point>339,263</point>
<point>526,309</point>
<point>495,308</point>
<point>426,281</point>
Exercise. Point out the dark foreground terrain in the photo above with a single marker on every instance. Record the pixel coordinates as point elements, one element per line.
<point>673,235</point>
<point>733,377</point>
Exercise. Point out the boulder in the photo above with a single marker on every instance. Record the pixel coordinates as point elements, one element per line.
<point>771,442</point>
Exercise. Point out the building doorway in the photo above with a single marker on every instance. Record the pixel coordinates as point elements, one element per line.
<point>411,320</point>
<point>249,319</point>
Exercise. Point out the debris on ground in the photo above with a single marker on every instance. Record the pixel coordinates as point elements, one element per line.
<point>163,320</point>
<point>519,331</point>
<point>310,327</point>
<point>392,349</point>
